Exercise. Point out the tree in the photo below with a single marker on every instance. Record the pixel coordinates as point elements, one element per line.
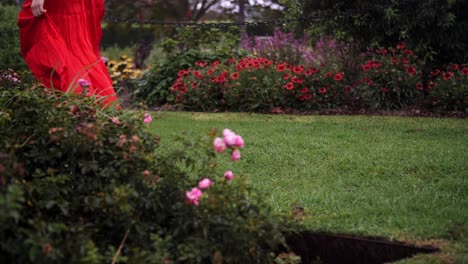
<point>435,29</point>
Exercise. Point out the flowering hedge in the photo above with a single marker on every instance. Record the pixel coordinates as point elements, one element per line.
<point>390,78</point>
<point>258,84</point>
<point>449,88</point>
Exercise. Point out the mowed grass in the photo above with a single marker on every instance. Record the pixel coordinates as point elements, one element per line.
<point>397,177</point>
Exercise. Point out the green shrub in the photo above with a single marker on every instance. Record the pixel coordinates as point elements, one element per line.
<point>180,52</point>
<point>449,89</point>
<point>76,182</point>
<point>391,78</point>
<point>10,55</point>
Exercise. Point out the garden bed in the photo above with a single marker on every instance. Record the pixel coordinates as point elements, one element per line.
<point>318,247</point>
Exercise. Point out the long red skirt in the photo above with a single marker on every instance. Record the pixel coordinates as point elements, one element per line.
<point>62,46</point>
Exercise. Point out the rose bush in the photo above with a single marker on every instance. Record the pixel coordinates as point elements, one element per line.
<point>80,184</point>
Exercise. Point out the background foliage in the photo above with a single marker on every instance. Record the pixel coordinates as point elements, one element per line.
<point>10,55</point>
<point>435,29</point>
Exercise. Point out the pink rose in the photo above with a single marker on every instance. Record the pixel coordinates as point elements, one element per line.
<point>227,132</point>
<point>115,120</point>
<point>229,175</point>
<point>229,137</point>
<point>205,183</point>
<point>235,155</point>
<point>148,118</point>
<point>238,141</point>
<point>219,145</point>
<point>193,196</point>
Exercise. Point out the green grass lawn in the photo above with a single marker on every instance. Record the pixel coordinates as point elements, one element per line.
<point>397,177</point>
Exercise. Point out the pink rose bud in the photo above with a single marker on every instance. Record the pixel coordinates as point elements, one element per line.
<point>235,155</point>
<point>239,141</point>
<point>148,118</point>
<point>219,145</point>
<point>229,175</point>
<point>205,183</point>
<point>193,196</point>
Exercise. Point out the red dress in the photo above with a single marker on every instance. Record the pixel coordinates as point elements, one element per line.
<point>62,46</point>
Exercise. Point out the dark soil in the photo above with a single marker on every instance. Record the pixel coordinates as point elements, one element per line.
<point>414,111</point>
<point>332,248</point>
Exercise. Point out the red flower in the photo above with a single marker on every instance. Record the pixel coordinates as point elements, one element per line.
<point>382,51</point>
<point>210,71</point>
<point>235,75</point>
<point>376,64</point>
<point>220,79</point>
<point>409,52</point>
<point>410,70</point>
<point>297,80</point>
<point>401,45</point>
<point>323,90</point>
<point>431,85</point>
<point>201,63</point>
<point>314,70</point>
<point>385,89</point>
<point>347,89</point>
<point>298,69</point>
<point>194,85</point>
<point>308,72</point>
<point>305,90</point>
<point>366,67</point>
<point>182,73</point>
<point>183,88</point>
<point>281,67</point>
<point>286,76</point>
<point>405,60</point>
<point>420,86</point>
<point>394,60</point>
<point>198,74</point>
<point>329,74</point>
<point>447,75</point>
<point>435,72</point>
<point>240,67</point>
<point>339,76</point>
<point>464,71</point>
<point>289,86</point>
<point>367,81</point>
<point>308,97</point>
<point>455,67</point>
<point>216,62</point>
